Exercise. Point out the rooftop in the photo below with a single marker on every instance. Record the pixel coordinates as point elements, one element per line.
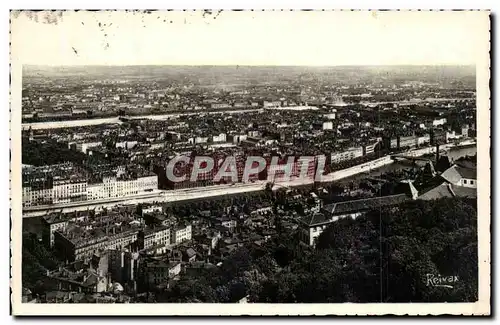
<point>455,173</point>
<point>364,204</point>
<point>315,219</point>
<point>448,190</point>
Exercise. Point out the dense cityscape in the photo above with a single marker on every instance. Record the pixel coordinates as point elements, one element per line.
<point>387,199</point>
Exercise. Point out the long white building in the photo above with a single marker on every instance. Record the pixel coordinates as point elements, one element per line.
<point>46,188</point>
<point>113,187</point>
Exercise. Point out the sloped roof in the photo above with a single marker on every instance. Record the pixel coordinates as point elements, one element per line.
<point>365,204</point>
<point>413,190</point>
<point>448,190</point>
<point>452,175</point>
<point>405,187</point>
<point>315,219</point>
<point>90,280</point>
<point>430,184</point>
<point>455,173</point>
<point>190,252</point>
<point>201,265</point>
<point>440,191</point>
<point>462,191</point>
<point>155,262</point>
<point>469,173</point>
<point>463,162</point>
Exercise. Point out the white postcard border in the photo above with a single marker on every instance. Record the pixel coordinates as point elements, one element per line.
<point>484,213</point>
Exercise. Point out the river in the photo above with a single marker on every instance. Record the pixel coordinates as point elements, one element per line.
<point>115,120</point>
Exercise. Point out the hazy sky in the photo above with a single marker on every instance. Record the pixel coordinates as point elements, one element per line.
<point>250,38</point>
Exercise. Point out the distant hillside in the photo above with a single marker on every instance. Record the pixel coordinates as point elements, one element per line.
<point>208,75</point>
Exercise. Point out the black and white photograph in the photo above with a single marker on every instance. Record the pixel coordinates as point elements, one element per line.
<point>237,162</point>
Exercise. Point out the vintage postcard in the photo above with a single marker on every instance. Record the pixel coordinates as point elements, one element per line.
<point>222,162</point>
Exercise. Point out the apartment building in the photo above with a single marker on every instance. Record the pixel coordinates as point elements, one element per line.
<point>158,236</point>
<point>63,184</point>
<point>180,234</point>
<point>346,155</point>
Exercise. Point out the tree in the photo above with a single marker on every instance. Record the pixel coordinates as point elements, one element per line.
<point>50,153</point>
<point>385,255</point>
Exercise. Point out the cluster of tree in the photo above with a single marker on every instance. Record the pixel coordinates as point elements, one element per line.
<point>49,153</point>
<point>384,256</point>
<point>36,260</point>
<point>388,255</point>
<point>242,274</point>
<point>457,117</point>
